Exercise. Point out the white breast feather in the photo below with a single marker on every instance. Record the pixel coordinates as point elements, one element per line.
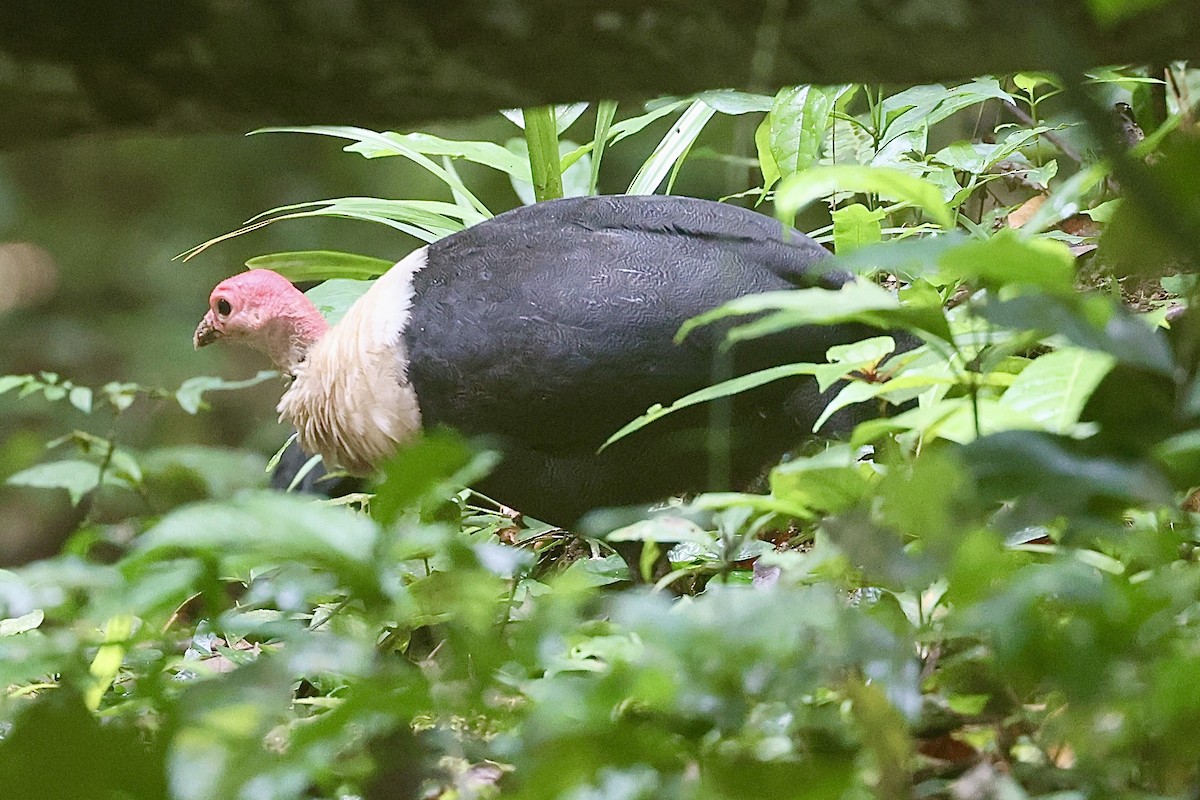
<point>351,400</point>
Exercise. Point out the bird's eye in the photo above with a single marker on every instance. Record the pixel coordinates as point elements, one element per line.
<point>223,307</point>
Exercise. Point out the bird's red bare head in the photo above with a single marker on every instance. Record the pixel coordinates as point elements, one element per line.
<point>262,309</point>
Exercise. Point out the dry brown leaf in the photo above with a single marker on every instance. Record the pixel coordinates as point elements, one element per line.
<point>1024,212</point>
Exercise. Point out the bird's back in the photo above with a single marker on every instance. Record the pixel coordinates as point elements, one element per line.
<point>553,325</point>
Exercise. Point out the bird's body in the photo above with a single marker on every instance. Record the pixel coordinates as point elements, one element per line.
<point>547,329</point>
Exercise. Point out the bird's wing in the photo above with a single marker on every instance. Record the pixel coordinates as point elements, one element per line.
<point>555,324</point>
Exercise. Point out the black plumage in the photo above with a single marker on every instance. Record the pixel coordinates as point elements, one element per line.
<point>549,327</point>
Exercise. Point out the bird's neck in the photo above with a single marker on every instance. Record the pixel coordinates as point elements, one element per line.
<point>299,329</point>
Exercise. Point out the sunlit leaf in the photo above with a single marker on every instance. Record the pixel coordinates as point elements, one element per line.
<point>798,191</point>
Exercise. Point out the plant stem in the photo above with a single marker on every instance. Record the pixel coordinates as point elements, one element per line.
<point>605,112</point>
<point>541,133</point>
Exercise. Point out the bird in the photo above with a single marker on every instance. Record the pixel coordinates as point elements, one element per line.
<point>546,329</point>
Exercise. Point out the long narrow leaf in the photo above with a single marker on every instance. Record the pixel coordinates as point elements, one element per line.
<point>319,265</point>
<point>424,220</point>
<point>672,148</point>
<point>489,154</point>
<point>604,117</point>
<point>626,128</point>
<point>733,386</point>
<point>381,141</point>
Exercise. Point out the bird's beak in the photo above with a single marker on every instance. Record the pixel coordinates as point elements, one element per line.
<point>206,332</point>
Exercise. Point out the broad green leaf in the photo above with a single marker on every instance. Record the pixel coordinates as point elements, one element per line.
<point>829,481</point>
<point>1007,259</point>
<point>798,191</point>
<point>664,528</point>
<point>797,125</point>
<point>333,298</point>
<point>10,382</point>
<point>1047,472</point>
<point>672,148</point>
<point>220,471</point>
<point>191,392</point>
<point>858,301</point>
<point>856,227</point>
<point>319,265</point>
<point>1091,321</point>
<point>76,476</point>
<point>1054,388</point>
<point>854,357</point>
<point>727,388</point>
<point>272,524</point>
<point>424,468</point>
<point>923,106</point>
<point>1028,81</point>
<point>766,159</point>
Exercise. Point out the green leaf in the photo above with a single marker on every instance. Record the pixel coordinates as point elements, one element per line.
<point>672,148</point>
<point>270,524</point>
<point>1093,322</point>
<point>107,661</point>
<point>489,154</point>
<point>829,481</point>
<point>860,301</point>
<point>797,125</point>
<point>605,112</point>
<point>191,392</point>
<point>1007,259</point>
<point>733,386</point>
<point>425,468</point>
<point>427,220</point>
<point>920,107</point>
<point>625,128</point>
<point>664,528</point>
<point>76,476</point>
<point>801,189</point>
<point>399,147</point>
<point>766,159</point>
<point>1054,388</point>
<point>731,101</point>
<point>856,227</point>
<point>318,265</point>
<point>81,398</point>
<point>10,382</point>
<point>333,298</point>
